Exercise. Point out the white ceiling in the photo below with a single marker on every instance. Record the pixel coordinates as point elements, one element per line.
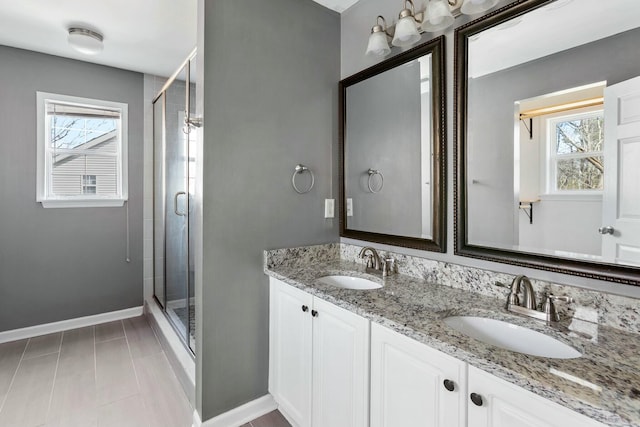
<point>337,5</point>
<point>149,36</point>
<point>559,26</point>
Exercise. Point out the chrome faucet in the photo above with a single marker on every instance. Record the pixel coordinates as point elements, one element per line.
<point>373,259</point>
<point>528,296</point>
<point>528,305</point>
<point>374,262</point>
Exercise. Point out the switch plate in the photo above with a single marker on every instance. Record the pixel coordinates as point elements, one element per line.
<point>349,207</point>
<point>329,207</point>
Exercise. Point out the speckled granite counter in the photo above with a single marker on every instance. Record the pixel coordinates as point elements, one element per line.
<point>603,384</point>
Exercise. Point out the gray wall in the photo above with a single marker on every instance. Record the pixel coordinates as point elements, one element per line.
<point>271,72</point>
<point>356,23</point>
<point>57,264</point>
<point>491,124</point>
<point>384,133</point>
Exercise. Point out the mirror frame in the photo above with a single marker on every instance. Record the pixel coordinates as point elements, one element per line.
<point>602,271</point>
<point>436,47</point>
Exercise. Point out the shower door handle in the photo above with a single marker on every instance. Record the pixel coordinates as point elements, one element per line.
<point>175,203</point>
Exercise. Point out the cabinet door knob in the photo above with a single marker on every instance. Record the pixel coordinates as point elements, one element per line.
<point>314,313</point>
<point>305,308</point>
<point>476,399</point>
<point>449,385</point>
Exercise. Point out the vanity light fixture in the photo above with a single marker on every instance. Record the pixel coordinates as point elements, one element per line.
<point>439,15</point>
<point>85,41</point>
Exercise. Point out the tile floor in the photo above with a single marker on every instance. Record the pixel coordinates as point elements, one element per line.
<point>272,419</point>
<point>111,375</point>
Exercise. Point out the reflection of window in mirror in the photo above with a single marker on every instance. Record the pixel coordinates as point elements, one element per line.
<point>559,169</point>
<point>574,158</point>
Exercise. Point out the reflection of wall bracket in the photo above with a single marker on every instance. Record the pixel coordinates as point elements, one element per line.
<point>528,128</point>
<point>527,207</point>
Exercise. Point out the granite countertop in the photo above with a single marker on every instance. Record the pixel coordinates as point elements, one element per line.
<point>603,384</point>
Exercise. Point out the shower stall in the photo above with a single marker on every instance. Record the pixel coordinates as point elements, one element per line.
<point>174,158</point>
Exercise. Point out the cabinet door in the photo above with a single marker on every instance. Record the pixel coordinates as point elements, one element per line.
<point>290,351</point>
<point>507,405</point>
<point>407,383</point>
<point>340,367</point>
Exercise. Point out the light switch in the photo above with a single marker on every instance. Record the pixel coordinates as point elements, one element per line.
<point>329,205</point>
<point>349,207</point>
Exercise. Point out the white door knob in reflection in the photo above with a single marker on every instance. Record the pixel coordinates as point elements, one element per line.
<point>606,230</point>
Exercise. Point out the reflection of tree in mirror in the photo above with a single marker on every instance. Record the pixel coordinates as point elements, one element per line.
<point>576,139</point>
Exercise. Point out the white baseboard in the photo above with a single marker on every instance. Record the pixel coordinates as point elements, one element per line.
<point>196,420</point>
<point>240,415</point>
<point>65,325</point>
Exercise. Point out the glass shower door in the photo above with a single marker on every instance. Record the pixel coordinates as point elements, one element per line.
<point>174,189</point>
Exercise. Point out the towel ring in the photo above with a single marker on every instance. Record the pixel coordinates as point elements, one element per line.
<point>372,173</point>
<point>302,169</point>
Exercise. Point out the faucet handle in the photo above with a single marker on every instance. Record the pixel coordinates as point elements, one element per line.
<point>388,264</point>
<point>563,298</point>
<point>550,308</point>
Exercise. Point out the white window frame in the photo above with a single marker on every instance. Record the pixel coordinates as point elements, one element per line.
<point>43,163</point>
<point>549,156</point>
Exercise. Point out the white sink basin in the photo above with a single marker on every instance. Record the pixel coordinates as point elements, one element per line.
<point>348,282</point>
<point>511,337</point>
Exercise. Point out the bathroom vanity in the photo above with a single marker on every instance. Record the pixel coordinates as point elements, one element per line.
<point>385,357</point>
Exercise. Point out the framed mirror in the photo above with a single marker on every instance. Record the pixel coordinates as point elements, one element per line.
<point>548,137</point>
<point>392,151</point>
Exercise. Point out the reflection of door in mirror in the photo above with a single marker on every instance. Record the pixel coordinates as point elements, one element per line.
<point>388,151</point>
<point>621,214</point>
<point>537,183</point>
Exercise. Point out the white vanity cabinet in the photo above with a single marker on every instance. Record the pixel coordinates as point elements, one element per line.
<point>318,360</point>
<point>502,404</point>
<point>319,375</point>
<point>413,384</point>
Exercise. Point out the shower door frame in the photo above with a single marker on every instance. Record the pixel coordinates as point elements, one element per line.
<point>185,66</point>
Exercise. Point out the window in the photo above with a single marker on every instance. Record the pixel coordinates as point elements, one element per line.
<point>82,152</point>
<point>575,153</point>
<point>89,184</point>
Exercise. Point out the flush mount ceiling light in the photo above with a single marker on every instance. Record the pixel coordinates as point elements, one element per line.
<point>85,41</point>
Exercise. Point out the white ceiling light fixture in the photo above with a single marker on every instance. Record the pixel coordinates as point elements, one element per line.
<point>85,41</point>
<point>473,7</point>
